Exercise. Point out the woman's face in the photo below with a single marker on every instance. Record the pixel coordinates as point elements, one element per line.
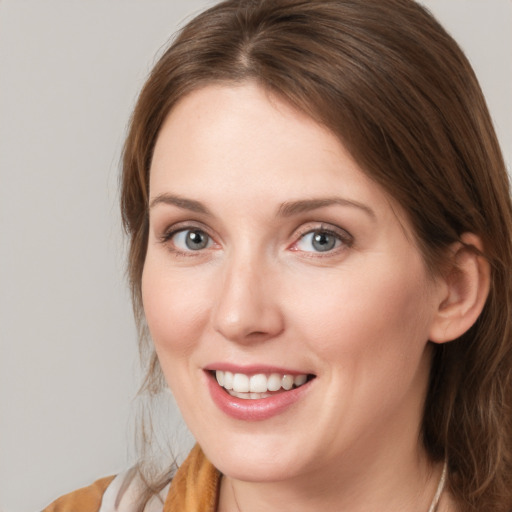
<point>272,255</point>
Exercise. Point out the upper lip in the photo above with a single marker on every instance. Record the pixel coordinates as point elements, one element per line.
<point>253,369</point>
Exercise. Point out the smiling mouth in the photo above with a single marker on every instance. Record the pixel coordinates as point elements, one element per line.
<point>260,385</point>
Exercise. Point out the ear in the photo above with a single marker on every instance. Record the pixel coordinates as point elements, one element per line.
<point>463,290</point>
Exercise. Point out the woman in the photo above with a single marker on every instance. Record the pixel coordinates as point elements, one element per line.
<point>320,222</point>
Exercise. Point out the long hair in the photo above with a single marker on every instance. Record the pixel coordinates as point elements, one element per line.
<point>398,92</point>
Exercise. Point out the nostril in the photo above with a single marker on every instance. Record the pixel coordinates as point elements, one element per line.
<point>257,334</point>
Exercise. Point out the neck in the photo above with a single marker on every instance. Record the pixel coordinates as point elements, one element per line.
<point>395,482</point>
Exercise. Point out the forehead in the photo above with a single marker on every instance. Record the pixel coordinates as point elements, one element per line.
<point>235,133</point>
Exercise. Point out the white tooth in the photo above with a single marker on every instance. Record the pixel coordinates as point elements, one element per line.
<point>274,382</point>
<point>249,396</point>
<point>258,383</point>
<point>241,383</point>
<point>287,382</point>
<point>228,380</point>
<point>220,377</point>
<point>245,396</point>
<point>298,380</point>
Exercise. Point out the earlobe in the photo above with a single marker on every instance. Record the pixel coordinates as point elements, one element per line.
<point>464,290</point>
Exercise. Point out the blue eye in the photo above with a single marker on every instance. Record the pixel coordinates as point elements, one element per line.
<point>191,240</point>
<point>319,241</point>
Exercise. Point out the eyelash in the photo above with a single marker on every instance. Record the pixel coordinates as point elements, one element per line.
<point>344,237</point>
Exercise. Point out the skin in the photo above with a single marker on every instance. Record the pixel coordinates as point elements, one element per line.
<point>358,316</point>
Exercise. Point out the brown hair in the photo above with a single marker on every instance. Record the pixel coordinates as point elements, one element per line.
<point>397,90</point>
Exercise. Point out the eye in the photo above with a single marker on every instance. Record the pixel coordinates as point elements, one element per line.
<point>190,240</point>
<point>320,240</point>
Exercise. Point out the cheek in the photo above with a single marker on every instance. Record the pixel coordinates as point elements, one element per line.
<point>368,332</point>
<point>379,312</point>
<point>175,306</point>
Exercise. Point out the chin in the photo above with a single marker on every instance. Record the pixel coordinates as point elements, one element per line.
<point>255,459</point>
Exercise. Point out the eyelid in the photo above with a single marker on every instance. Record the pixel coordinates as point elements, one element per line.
<point>172,229</point>
<point>308,227</point>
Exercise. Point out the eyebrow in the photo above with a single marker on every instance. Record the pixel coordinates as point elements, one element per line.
<point>180,202</point>
<point>287,209</point>
<point>291,208</point>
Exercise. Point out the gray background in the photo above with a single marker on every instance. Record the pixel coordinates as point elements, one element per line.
<point>70,71</point>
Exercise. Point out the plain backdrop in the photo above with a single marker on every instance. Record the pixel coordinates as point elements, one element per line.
<point>70,71</point>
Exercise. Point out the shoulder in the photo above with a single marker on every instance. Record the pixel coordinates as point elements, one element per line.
<point>87,499</point>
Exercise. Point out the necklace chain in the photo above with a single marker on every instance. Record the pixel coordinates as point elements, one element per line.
<point>439,490</point>
<point>433,505</point>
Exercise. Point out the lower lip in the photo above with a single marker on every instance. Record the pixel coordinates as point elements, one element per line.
<point>254,410</point>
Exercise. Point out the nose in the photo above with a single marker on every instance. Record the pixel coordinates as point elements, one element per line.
<point>247,307</point>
